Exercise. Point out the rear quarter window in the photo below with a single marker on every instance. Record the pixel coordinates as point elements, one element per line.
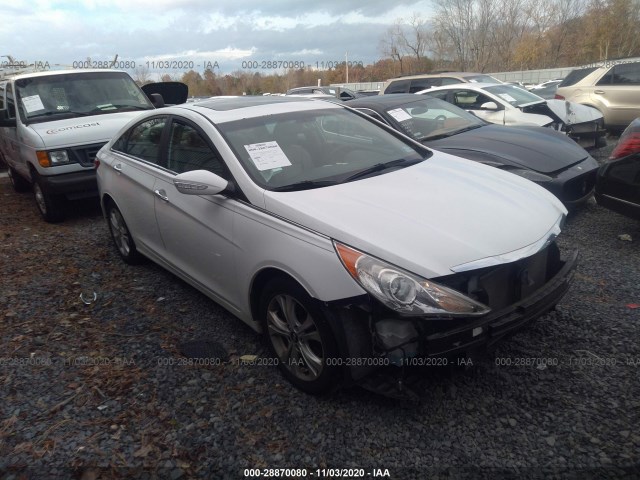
<point>575,76</point>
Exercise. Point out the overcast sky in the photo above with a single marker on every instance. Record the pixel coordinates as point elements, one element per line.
<point>199,31</point>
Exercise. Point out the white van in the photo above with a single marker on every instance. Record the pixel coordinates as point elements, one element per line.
<point>53,123</point>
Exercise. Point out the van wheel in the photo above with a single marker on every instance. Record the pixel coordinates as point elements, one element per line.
<point>51,206</point>
<point>121,236</point>
<point>18,183</point>
<point>298,335</point>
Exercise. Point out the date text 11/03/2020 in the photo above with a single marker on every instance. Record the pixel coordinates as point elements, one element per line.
<point>182,64</point>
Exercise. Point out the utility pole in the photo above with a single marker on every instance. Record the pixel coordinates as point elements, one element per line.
<point>346,64</point>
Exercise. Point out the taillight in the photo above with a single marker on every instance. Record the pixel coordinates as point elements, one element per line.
<point>627,145</point>
<point>559,97</point>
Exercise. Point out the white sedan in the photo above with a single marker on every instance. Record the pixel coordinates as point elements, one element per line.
<point>505,104</point>
<point>352,247</point>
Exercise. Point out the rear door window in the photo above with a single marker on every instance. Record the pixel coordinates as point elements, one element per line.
<point>626,74</point>
<point>424,83</point>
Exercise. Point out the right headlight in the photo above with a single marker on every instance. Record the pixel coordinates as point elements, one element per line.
<point>403,291</point>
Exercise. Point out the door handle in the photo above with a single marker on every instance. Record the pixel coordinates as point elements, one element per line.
<point>599,92</point>
<point>118,167</point>
<point>162,194</point>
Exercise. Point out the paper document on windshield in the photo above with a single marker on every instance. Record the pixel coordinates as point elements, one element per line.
<point>399,114</point>
<point>267,155</point>
<point>32,103</point>
<point>507,97</point>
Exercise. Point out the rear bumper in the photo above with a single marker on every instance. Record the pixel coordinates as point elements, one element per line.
<point>618,205</point>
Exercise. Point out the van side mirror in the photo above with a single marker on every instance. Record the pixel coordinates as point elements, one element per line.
<point>156,100</point>
<point>5,121</point>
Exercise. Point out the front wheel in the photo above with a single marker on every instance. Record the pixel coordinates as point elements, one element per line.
<point>51,206</point>
<point>121,236</point>
<point>299,336</point>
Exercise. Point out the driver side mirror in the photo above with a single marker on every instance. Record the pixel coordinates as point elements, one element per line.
<point>200,182</point>
<point>489,106</point>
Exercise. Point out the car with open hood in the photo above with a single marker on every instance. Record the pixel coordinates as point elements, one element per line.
<point>618,183</point>
<point>358,252</point>
<point>541,155</point>
<point>511,105</point>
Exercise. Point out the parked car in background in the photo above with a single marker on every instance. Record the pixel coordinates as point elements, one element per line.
<point>546,90</point>
<point>336,237</point>
<point>618,184</point>
<point>416,83</point>
<point>342,93</point>
<point>510,105</point>
<point>541,155</point>
<point>614,89</point>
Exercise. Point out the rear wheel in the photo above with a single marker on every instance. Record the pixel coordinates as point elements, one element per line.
<point>51,206</point>
<point>299,336</point>
<point>121,236</point>
<point>18,183</point>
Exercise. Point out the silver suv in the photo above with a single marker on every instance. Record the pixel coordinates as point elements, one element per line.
<point>613,88</point>
<point>415,83</point>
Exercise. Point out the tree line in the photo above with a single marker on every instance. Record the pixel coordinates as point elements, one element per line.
<point>466,35</point>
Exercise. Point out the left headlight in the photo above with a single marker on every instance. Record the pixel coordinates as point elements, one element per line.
<point>53,157</point>
<point>403,291</point>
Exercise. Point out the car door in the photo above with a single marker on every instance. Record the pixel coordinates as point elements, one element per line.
<point>133,167</point>
<point>197,231</point>
<point>618,94</point>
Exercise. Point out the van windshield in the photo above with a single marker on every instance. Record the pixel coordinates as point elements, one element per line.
<point>54,97</point>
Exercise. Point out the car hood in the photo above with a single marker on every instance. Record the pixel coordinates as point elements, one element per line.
<point>427,218</point>
<point>534,148</point>
<point>82,130</point>
<point>569,113</point>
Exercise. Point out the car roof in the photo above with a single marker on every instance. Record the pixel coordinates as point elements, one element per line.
<point>228,109</point>
<point>440,74</point>
<point>47,73</point>
<point>466,86</point>
<point>387,100</point>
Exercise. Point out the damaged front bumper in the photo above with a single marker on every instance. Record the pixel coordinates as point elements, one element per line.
<point>382,349</point>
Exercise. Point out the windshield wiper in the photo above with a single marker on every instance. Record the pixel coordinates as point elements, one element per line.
<point>304,185</point>
<point>59,112</point>
<point>449,134</point>
<point>379,167</point>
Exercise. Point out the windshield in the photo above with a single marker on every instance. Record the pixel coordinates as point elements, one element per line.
<point>428,118</point>
<point>53,97</point>
<point>316,148</point>
<point>516,96</point>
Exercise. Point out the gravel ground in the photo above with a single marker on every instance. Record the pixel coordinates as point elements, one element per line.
<point>100,390</point>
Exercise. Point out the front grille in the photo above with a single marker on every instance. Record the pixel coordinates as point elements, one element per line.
<point>503,285</point>
<point>86,154</point>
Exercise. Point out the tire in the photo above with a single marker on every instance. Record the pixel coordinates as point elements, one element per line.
<point>121,236</point>
<point>18,183</point>
<point>51,207</point>
<point>286,312</point>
